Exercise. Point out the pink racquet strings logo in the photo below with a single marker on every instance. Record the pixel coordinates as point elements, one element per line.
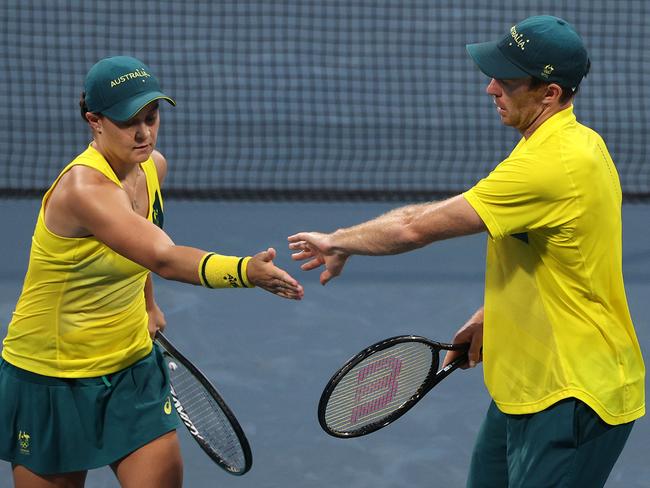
<point>367,387</point>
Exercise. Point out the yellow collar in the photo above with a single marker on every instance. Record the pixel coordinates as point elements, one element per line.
<point>553,123</point>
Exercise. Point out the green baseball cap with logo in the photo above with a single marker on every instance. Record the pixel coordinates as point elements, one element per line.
<point>120,86</point>
<point>543,46</point>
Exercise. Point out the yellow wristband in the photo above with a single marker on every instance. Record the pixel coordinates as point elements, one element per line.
<point>217,271</point>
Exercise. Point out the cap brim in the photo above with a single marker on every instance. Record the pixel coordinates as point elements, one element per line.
<point>128,108</point>
<point>493,63</point>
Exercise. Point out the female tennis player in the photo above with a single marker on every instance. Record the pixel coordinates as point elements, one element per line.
<point>81,384</point>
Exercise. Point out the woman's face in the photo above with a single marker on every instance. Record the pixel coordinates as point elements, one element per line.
<point>132,141</point>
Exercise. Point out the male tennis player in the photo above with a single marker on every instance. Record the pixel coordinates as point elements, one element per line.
<point>562,362</point>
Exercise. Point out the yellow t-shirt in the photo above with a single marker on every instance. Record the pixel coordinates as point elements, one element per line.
<point>557,324</point>
<point>82,311</point>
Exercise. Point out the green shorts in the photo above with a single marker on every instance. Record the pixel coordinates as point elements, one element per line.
<point>55,425</point>
<point>565,446</point>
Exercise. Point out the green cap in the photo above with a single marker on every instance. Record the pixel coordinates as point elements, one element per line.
<point>120,86</point>
<point>543,46</point>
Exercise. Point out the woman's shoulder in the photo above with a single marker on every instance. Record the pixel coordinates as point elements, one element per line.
<point>160,163</point>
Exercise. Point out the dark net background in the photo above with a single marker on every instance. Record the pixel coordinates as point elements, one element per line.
<point>328,99</point>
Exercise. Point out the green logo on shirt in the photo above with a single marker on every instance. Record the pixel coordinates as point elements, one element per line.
<point>157,216</point>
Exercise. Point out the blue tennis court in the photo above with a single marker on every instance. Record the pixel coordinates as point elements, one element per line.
<point>270,358</point>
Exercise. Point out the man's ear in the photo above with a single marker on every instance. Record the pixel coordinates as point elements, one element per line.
<point>552,94</point>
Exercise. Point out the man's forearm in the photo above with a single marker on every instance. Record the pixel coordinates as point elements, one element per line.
<point>407,228</point>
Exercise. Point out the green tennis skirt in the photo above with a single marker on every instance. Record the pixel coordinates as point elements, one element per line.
<point>55,425</point>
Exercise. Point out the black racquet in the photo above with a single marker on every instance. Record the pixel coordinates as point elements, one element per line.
<point>204,413</point>
<point>382,383</point>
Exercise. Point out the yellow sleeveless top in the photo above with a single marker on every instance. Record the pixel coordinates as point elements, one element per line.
<point>82,311</point>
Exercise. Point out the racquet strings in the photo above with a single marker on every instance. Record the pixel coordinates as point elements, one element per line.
<point>205,413</point>
<point>376,387</point>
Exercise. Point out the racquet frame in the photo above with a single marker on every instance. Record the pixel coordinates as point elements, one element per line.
<point>433,378</point>
<point>170,350</point>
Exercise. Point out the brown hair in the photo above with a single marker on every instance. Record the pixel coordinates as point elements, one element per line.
<point>83,107</point>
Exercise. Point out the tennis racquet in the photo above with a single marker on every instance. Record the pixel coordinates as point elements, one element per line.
<point>382,383</point>
<point>205,414</point>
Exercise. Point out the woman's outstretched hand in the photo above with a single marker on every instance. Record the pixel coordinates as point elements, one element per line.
<point>263,273</point>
